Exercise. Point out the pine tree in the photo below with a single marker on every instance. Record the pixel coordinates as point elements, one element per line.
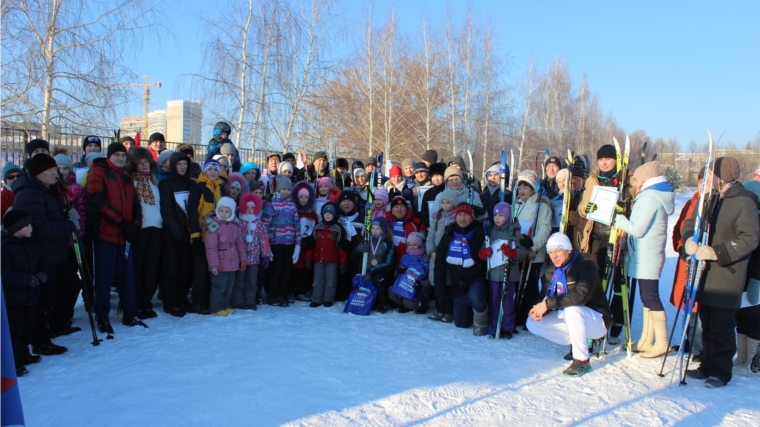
<point>674,178</point>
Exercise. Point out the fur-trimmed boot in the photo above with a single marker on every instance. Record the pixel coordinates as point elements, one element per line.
<point>659,324</point>
<point>647,334</point>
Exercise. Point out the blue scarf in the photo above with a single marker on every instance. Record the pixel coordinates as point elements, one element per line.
<point>399,235</point>
<point>558,285</point>
<point>459,250</point>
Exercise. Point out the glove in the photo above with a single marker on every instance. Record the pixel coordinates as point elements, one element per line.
<point>309,264</point>
<point>130,230</point>
<point>296,254</point>
<point>242,265</point>
<point>215,271</point>
<point>342,269</point>
<point>619,208</point>
<point>486,253</point>
<point>690,247</point>
<point>42,276</point>
<point>74,215</point>
<point>362,248</point>
<point>265,263</point>
<point>197,247</point>
<point>368,277</point>
<point>591,207</point>
<point>526,242</point>
<point>508,251</point>
<point>34,282</point>
<point>75,222</point>
<point>706,253</point>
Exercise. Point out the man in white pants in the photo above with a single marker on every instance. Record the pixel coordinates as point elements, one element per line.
<point>574,307</point>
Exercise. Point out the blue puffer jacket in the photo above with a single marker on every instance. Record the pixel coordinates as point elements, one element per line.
<point>647,229</point>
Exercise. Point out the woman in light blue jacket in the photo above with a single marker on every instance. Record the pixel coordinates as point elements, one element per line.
<point>647,234</point>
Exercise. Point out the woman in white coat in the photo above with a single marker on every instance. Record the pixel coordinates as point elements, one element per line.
<point>647,234</point>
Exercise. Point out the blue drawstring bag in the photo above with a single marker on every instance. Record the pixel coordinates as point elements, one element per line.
<point>416,270</point>
<point>362,298</point>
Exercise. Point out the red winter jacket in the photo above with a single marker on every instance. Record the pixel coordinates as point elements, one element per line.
<point>327,247</point>
<point>111,198</point>
<point>410,225</point>
<point>306,253</point>
<point>6,200</point>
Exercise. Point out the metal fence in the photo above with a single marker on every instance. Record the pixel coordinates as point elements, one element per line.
<point>14,140</point>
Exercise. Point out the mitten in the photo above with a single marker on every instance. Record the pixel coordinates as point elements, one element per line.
<point>706,253</point>
<point>484,254</point>
<point>215,271</point>
<point>42,276</point>
<point>526,242</point>
<point>296,254</point>
<point>508,251</point>
<point>34,281</point>
<point>75,222</point>
<point>74,215</point>
<point>691,247</point>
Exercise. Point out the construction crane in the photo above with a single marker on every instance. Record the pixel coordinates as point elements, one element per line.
<point>146,97</point>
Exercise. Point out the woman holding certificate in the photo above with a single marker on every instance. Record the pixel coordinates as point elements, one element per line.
<point>647,233</point>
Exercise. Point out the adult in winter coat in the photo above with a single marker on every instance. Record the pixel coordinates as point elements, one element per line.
<point>492,193</point>
<point>460,279</point>
<point>69,283</point>
<point>576,223</point>
<point>90,144</point>
<point>428,207</point>
<point>147,246</point>
<point>735,233</point>
<point>439,220</point>
<point>173,193</point>
<point>455,181</point>
<point>550,190</point>
<point>201,203</point>
<point>114,217</point>
<point>572,307</point>
<point>38,195</point>
<point>458,162</point>
<point>535,238</point>
<point>647,231</point>
<point>748,316</point>
<point>11,172</point>
<point>397,185</point>
<point>596,236</point>
<point>361,186</point>
<point>318,168</point>
<point>164,168</point>
<point>420,185</point>
<point>341,175</point>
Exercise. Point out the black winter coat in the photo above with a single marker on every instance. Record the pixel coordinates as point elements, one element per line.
<point>50,226</point>
<point>490,200</point>
<point>735,233</point>
<point>21,258</point>
<point>459,277</point>
<point>175,226</point>
<point>584,288</point>
<point>426,199</point>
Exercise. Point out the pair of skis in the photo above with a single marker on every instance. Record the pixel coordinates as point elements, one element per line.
<point>701,235</point>
<point>508,264</point>
<point>567,193</point>
<point>374,183</point>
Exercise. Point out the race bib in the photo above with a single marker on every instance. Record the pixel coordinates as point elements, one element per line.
<point>307,226</point>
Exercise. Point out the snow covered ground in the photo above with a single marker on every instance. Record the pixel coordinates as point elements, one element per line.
<point>302,366</point>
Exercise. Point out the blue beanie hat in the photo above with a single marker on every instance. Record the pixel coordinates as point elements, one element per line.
<point>380,222</point>
<point>10,167</point>
<point>247,166</point>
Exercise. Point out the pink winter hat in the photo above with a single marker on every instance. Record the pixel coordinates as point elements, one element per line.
<point>381,194</point>
<point>647,171</point>
<point>416,237</point>
<point>324,181</point>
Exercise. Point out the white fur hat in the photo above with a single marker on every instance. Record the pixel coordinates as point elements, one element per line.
<point>226,202</point>
<point>558,241</point>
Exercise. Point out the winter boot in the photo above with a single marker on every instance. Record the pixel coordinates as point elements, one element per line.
<point>480,322</point>
<point>647,334</point>
<point>659,323</point>
<point>741,351</point>
<point>437,317</point>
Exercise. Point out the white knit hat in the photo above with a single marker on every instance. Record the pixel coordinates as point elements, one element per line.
<point>226,202</point>
<point>558,241</point>
<point>529,177</point>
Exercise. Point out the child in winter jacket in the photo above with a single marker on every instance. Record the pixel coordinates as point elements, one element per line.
<point>505,238</point>
<point>324,184</point>
<point>257,252</point>
<point>414,264</point>
<point>281,220</point>
<point>225,253</point>
<point>401,222</point>
<point>23,269</point>
<point>236,187</point>
<point>329,245</point>
<point>379,261</point>
<point>438,222</point>
<point>379,203</point>
<point>303,197</point>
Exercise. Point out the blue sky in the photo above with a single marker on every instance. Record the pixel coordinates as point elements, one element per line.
<point>668,67</point>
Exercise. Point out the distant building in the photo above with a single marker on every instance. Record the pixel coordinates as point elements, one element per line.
<point>184,121</point>
<point>181,121</point>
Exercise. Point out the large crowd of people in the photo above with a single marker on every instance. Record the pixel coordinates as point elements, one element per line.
<point>207,234</point>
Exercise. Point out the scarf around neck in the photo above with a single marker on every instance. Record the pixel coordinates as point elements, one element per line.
<point>144,192</point>
<point>558,284</point>
<point>459,250</point>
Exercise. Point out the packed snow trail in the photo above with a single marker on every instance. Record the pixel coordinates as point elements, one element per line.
<point>304,366</point>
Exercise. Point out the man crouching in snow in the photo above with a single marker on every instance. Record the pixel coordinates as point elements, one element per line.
<point>574,307</point>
